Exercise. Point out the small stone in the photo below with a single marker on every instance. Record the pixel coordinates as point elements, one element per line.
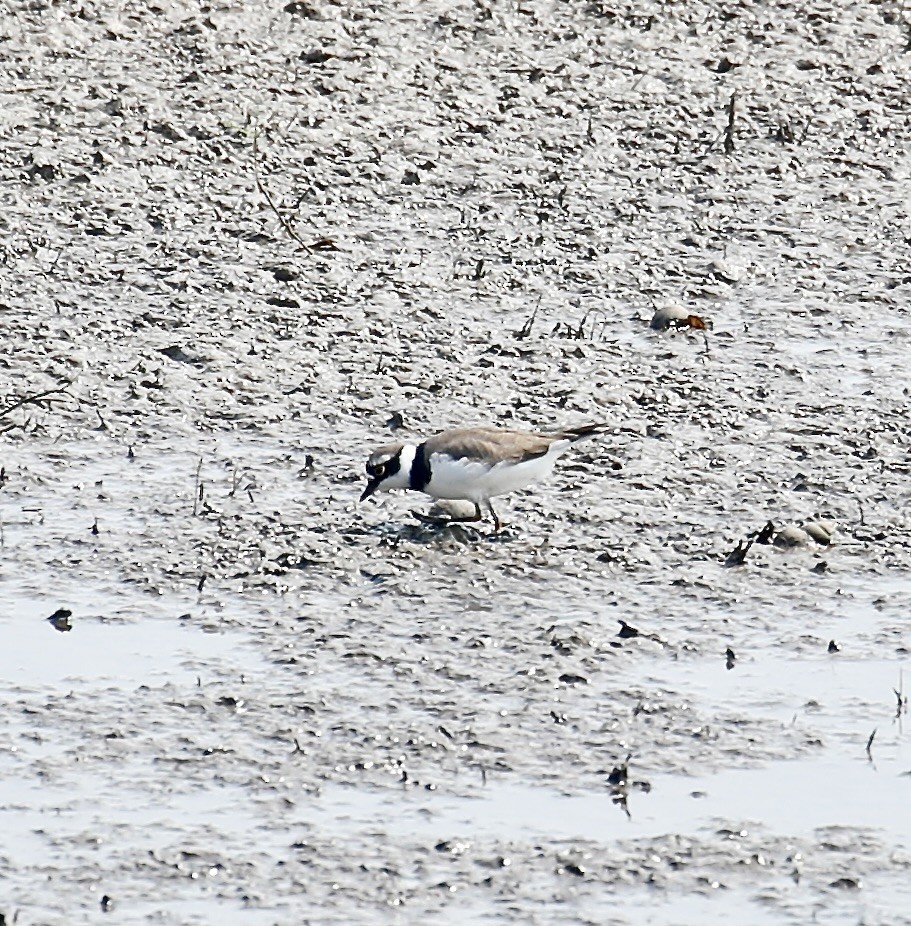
<point>820,531</point>
<point>60,620</point>
<point>791,536</point>
<point>671,313</point>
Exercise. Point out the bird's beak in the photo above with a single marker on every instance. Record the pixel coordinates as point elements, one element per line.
<point>372,486</point>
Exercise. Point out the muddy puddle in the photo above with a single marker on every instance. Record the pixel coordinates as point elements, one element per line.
<point>800,796</point>
<point>114,650</point>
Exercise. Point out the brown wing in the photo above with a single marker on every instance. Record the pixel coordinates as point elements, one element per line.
<point>484,443</point>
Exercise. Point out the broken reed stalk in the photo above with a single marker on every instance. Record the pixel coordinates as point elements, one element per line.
<point>525,330</point>
<point>197,488</point>
<point>34,398</point>
<point>285,224</point>
<point>282,220</point>
<point>729,128</point>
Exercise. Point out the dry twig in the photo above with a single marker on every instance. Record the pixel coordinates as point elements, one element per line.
<point>32,399</point>
<point>729,129</point>
<point>285,224</point>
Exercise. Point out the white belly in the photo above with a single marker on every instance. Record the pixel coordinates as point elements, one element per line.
<point>477,482</point>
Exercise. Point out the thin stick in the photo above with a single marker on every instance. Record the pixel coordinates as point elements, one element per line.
<point>196,486</point>
<point>34,398</point>
<point>262,189</point>
<point>729,130</point>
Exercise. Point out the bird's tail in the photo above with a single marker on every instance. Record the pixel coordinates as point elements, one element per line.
<point>582,431</point>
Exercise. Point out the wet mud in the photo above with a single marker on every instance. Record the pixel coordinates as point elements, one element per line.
<point>244,245</point>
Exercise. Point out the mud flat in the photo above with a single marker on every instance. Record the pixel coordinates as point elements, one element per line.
<point>244,244</point>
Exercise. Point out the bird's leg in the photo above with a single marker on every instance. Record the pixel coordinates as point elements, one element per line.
<point>493,514</point>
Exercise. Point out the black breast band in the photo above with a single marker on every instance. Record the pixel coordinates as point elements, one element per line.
<point>420,469</point>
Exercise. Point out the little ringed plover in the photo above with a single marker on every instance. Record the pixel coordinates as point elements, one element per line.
<point>474,464</point>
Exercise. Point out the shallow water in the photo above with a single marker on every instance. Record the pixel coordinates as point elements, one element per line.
<point>797,796</point>
<point>110,652</point>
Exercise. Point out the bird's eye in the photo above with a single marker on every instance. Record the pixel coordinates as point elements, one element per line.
<point>379,469</point>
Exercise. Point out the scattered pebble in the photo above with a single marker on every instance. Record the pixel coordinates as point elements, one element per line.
<point>820,531</point>
<point>60,620</point>
<point>674,315</point>
<point>791,536</point>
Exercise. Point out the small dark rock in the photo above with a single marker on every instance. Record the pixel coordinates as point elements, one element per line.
<point>60,620</point>
<point>315,57</point>
<point>618,776</point>
<point>766,534</point>
<point>295,561</point>
<point>850,884</point>
<point>176,353</point>
<point>737,556</point>
<point>301,9</point>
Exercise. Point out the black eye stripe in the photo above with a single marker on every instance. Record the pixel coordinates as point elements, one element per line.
<point>385,469</point>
